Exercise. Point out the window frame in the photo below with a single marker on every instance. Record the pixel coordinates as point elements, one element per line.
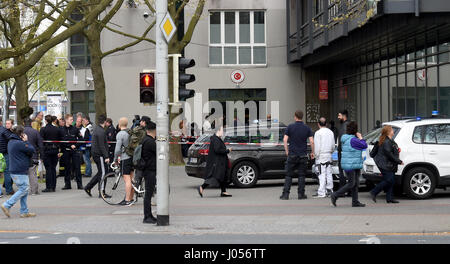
<point>222,45</point>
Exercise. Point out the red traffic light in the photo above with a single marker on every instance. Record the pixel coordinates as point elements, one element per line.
<point>147,79</point>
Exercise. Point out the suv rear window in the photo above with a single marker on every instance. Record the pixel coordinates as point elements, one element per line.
<point>432,134</point>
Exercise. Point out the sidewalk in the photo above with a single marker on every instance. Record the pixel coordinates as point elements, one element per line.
<point>250,211</point>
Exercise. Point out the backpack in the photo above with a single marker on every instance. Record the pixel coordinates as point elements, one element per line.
<point>2,163</point>
<point>136,135</point>
<point>138,162</point>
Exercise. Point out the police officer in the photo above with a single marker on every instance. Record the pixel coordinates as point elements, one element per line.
<point>72,157</point>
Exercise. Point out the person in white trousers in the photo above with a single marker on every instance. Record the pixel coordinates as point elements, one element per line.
<point>324,148</point>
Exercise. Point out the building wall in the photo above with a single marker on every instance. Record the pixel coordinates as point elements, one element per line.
<point>121,70</point>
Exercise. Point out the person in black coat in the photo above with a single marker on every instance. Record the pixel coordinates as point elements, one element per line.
<point>387,160</point>
<point>216,165</point>
<point>148,156</point>
<point>51,150</point>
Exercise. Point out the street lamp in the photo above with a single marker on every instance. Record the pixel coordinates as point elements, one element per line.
<point>75,77</point>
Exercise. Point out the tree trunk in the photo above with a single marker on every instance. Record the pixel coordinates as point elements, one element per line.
<point>21,91</point>
<point>93,37</point>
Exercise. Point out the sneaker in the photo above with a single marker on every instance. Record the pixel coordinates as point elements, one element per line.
<point>123,202</point>
<point>130,203</point>
<point>319,196</point>
<point>27,215</point>
<point>5,210</point>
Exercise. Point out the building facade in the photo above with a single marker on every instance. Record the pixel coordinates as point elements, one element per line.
<point>395,64</point>
<point>248,36</point>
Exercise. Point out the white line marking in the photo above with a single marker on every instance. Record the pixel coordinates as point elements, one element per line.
<point>32,237</point>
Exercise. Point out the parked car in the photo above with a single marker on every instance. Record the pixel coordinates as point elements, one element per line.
<point>424,149</point>
<point>249,162</point>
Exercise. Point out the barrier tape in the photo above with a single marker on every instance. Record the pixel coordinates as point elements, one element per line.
<point>171,142</point>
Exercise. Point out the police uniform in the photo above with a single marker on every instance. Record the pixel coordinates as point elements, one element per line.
<point>72,158</point>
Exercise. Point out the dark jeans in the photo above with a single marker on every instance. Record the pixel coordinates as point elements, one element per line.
<point>150,182</point>
<point>295,162</point>
<point>72,164</point>
<point>50,162</point>
<point>387,184</point>
<point>101,171</point>
<point>352,185</point>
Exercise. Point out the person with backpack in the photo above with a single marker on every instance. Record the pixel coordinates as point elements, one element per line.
<point>125,161</point>
<point>137,134</point>
<point>100,155</point>
<point>386,155</point>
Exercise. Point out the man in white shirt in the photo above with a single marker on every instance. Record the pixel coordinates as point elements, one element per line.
<point>324,148</point>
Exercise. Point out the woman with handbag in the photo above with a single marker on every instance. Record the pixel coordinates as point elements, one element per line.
<point>387,160</point>
<point>216,165</point>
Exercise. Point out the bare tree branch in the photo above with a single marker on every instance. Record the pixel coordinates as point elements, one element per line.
<point>132,36</point>
<point>137,41</point>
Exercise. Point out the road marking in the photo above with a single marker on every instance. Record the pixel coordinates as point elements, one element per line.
<point>4,242</point>
<point>32,237</point>
<point>121,212</point>
<point>57,233</point>
<point>371,239</point>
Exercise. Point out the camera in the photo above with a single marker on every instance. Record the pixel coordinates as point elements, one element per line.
<point>56,63</point>
<point>146,15</point>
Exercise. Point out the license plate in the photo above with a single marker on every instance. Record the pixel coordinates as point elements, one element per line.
<point>193,160</point>
<point>369,168</point>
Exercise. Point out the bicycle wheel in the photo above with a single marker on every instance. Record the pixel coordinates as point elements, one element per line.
<point>113,188</point>
<point>141,192</point>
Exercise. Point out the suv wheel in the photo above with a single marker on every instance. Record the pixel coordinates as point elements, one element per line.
<point>419,183</point>
<point>245,174</point>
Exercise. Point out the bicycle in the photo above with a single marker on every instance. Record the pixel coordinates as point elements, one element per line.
<point>112,185</point>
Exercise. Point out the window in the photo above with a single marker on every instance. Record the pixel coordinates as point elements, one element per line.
<point>417,135</point>
<point>443,134</point>
<point>82,101</point>
<point>430,135</point>
<point>78,48</point>
<point>237,38</point>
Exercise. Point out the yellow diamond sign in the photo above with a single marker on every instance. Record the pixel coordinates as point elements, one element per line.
<point>168,27</point>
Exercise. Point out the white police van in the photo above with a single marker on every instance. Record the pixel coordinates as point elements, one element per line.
<point>425,151</point>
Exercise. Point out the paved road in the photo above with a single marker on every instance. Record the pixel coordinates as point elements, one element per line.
<point>175,238</point>
<point>250,216</point>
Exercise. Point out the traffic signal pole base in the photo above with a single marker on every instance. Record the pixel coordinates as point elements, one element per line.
<point>162,220</point>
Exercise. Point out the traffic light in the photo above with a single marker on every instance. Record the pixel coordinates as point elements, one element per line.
<point>185,78</point>
<point>147,87</point>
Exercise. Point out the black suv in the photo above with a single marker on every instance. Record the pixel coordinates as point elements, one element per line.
<point>249,162</point>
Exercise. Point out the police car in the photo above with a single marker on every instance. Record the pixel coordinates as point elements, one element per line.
<point>424,149</point>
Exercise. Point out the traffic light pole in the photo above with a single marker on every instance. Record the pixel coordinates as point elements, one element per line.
<point>162,119</point>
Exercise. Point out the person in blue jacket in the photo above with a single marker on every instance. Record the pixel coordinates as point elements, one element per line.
<point>20,154</point>
<point>351,162</point>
